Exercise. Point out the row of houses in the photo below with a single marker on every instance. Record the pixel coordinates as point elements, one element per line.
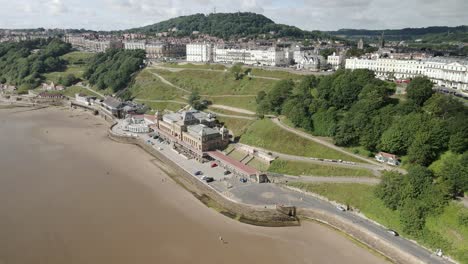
<point>443,71</point>
<point>268,56</point>
<point>154,50</point>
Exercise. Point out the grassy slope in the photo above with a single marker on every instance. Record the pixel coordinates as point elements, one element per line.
<point>72,90</point>
<point>265,134</point>
<point>302,168</point>
<point>236,125</point>
<point>248,103</point>
<point>275,74</point>
<point>449,234</point>
<point>161,106</point>
<point>148,86</point>
<point>76,65</point>
<point>195,66</point>
<point>215,83</point>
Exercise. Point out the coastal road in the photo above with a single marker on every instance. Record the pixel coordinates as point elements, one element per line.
<point>269,195</point>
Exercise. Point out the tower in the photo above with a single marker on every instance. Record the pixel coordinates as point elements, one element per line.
<point>382,41</point>
<point>158,117</point>
<point>360,44</point>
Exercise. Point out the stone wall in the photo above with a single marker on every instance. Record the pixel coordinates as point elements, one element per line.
<point>362,235</point>
<point>245,213</point>
<point>271,217</point>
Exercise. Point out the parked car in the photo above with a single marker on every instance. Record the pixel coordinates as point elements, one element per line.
<point>244,180</point>
<point>214,165</point>
<point>341,208</point>
<point>198,173</point>
<point>226,172</point>
<point>392,232</point>
<point>209,179</point>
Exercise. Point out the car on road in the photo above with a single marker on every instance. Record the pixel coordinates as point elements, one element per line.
<point>198,173</point>
<point>341,208</point>
<point>243,180</point>
<point>392,232</point>
<point>214,165</point>
<point>208,179</point>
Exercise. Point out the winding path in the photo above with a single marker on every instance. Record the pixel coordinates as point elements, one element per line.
<point>332,146</point>
<point>374,168</point>
<point>233,109</point>
<point>168,82</point>
<point>334,179</point>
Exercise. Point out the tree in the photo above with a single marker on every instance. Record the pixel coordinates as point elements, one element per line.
<point>194,97</point>
<point>412,217</point>
<point>458,142</point>
<point>388,190</point>
<point>279,94</point>
<point>236,71</point>
<point>419,90</point>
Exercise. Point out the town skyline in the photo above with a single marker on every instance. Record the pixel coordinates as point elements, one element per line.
<point>306,14</point>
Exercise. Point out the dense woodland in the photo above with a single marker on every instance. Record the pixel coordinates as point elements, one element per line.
<point>228,25</point>
<point>403,34</point>
<point>22,64</point>
<point>357,109</point>
<point>114,68</point>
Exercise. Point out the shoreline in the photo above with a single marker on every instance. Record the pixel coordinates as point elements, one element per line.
<point>255,215</point>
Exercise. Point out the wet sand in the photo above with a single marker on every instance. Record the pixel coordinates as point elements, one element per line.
<point>68,194</point>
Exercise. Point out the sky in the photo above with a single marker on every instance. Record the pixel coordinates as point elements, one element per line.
<point>305,14</point>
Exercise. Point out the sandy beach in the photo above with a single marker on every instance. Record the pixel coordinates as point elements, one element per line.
<point>68,194</point>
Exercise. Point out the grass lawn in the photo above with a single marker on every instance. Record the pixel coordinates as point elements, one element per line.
<point>265,134</point>
<point>215,83</point>
<point>71,69</point>
<point>247,103</point>
<point>72,90</point>
<point>236,125</point>
<point>195,66</point>
<point>299,168</point>
<point>148,86</point>
<point>259,165</point>
<point>275,74</point>
<point>237,155</point>
<point>161,106</point>
<point>78,57</point>
<point>445,230</point>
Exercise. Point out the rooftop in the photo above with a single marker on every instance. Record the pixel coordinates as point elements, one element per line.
<point>237,164</point>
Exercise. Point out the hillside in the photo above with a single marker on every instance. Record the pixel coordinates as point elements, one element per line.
<point>228,25</point>
<point>459,33</point>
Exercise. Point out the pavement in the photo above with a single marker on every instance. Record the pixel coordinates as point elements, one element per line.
<point>269,194</point>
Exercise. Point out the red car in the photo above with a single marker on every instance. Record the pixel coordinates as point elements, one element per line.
<point>213,165</point>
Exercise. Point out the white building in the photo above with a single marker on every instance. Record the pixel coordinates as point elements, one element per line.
<point>266,57</point>
<point>445,72</point>
<point>133,45</point>
<point>336,61</point>
<point>200,52</point>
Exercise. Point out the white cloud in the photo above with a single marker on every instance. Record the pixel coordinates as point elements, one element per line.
<point>306,14</point>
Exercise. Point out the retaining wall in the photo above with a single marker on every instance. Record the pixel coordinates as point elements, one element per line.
<point>271,217</point>
<point>244,213</point>
<point>376,243</point>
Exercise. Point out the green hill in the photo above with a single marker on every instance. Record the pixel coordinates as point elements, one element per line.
<point>228,25</point>
<point>436,34</point>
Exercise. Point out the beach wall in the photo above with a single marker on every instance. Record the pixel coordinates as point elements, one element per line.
<point>270,217</point>
<point>242,212</point>
<point>378,244</point>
